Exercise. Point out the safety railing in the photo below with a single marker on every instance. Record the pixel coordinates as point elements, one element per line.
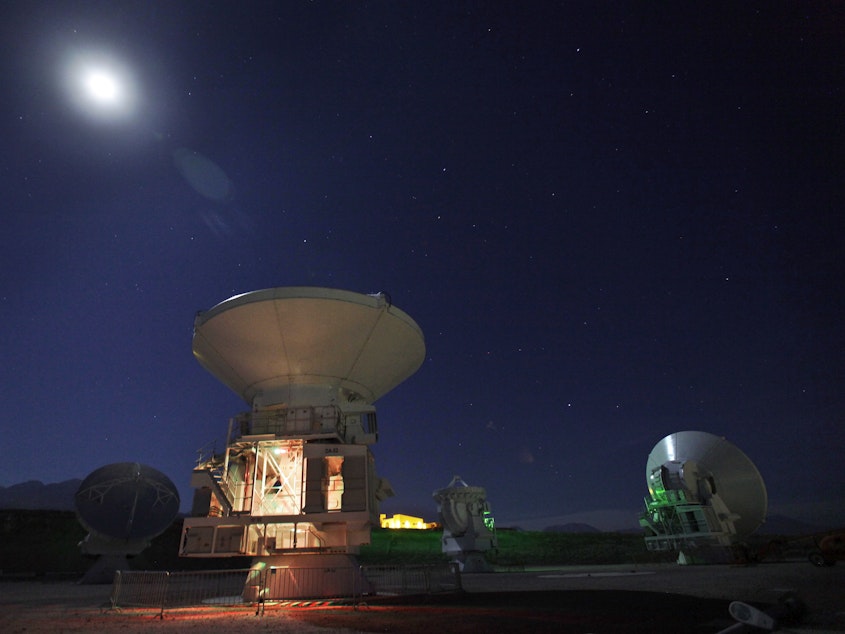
<point>305,583</point>
<point>161,590</point>
<point>404,580</point>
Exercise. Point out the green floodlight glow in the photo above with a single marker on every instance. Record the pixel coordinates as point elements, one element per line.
<point>489,522</point>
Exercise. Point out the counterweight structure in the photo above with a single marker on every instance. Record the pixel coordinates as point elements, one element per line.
<point>296,485</point>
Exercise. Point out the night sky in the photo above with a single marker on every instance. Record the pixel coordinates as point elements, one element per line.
<point>612,221</point>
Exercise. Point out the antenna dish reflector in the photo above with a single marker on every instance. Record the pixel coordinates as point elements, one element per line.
<point>126,501</point>
<point>123,506</point>
<point>720,466</point>
<point>302,344</point>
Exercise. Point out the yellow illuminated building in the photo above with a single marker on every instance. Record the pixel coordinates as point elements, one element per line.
<point>405,521</point>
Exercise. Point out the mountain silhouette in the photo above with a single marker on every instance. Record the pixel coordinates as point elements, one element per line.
<point>35,495</point>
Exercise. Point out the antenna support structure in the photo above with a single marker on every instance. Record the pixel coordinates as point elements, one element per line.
<point>296,488</point>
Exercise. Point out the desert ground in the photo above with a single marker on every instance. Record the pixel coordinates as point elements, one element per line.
<point>650,598</point>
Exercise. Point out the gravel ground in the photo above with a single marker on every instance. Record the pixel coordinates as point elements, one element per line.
<point>31,606</point>
<point>615,599</point>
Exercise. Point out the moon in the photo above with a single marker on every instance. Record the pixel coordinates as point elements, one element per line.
<point>100,86</point>
<point>103,87</point>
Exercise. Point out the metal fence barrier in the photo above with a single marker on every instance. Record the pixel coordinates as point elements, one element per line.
<point>280,584</point>
<point>161,590</point>
<point>402,580</point>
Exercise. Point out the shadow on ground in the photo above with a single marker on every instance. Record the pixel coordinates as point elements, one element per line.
<point>596,611</point>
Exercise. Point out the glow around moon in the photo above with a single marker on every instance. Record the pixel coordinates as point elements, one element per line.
<point>100,86</point>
